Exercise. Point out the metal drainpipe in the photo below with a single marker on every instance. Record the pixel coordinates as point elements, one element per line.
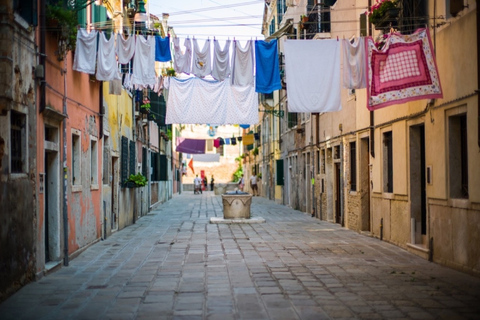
<point>42,54</point>
<point>478,77</point>
<point>65,168</point>
<point>342,185</point>
<point>372,116</point>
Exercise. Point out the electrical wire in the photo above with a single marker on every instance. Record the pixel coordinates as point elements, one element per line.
<point>227,6</point>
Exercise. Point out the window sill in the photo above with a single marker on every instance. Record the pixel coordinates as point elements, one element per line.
<point>77,188</point>
<point>18,176</point>
<point>94,187</point>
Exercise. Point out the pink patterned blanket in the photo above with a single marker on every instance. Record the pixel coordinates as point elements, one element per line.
<point>404,70</point>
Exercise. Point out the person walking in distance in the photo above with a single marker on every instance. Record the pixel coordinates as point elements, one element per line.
<point>253,184</point>
<point>241,183</point>
<point>211,183</point>
<point>198,185</point>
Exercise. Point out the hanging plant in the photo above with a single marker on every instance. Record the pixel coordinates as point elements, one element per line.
<point>383,12</point>
<point>62,21</point>
<point>145,107</point>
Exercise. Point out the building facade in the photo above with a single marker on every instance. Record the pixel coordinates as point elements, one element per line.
<point>405,173</point>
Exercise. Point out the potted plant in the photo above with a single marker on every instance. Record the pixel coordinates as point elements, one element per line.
<point>62,21</point>
<point>145,107</point>
<point>168,136</point>
<point>383,14</point>
<point>255,151</point>
<point>136,180</point>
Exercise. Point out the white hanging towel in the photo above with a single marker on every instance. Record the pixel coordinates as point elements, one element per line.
<point>107,67</point>
<point>199,101</point>
<point>313,87</point>
<point>85,52</point>
<point>221,61</point>
<point>125,48</point>
<point>143,74</point>
<point>183,61</point>
<point>242,64</point>
<point>202,59</point>
<point>354,64</point>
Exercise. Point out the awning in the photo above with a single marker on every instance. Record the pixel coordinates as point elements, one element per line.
<point>287,28</point>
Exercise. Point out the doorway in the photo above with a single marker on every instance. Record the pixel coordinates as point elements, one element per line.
<point>418,193</point>
<point>337,193</point>
<point>52,207</point>
<point>365,184</point>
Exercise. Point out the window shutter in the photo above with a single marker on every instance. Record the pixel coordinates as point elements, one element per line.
<point>124,161</point>
<point>144,162</point>
<point>163,173</point>
<point>279,181</point>
<point>363,25</point>
<point>131,160</point>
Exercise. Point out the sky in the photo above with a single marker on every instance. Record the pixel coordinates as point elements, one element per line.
<point>222,19</point>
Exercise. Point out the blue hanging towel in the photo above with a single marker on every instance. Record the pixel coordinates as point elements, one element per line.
<point>267,67</point>
<point>162,49</point>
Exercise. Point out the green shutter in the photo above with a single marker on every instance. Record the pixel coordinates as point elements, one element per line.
<point>279,170</point>
<point>82,18</point>
<point>124,160</point>
<point>144,162</point>
<point>163,173</point>
<point>131,160</point>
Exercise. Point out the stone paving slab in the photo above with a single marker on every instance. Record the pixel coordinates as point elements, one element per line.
<point>175,264</point>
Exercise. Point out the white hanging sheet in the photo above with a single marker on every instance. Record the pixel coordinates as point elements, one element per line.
<point>107,67</point>
<point>202,59</point>
<point>199,101</point>
<point>125,48</point>
<point>85,52</point>
<point>312,70</point>
<point>221,61</point>
<point>242,64</point>
<point>143,75</point>
<point>182,61</point>
<point>354,64</point>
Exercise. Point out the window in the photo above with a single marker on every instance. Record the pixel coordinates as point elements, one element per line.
<point>76,152</point>
<point>93,161</point>
<point>353,166</point>
<point>292,119</point>
<point>322,170</point>
<point>279,171</point>
<point>458,156</point>
<point>27,9</point>
<point>319,163</point>
<point>106,160</point>
<point>387,162</point>
<point>18,142</point>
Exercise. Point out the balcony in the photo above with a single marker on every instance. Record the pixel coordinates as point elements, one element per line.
<point>318,22</point>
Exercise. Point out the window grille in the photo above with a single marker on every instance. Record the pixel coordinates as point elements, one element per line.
<point>17,139</point>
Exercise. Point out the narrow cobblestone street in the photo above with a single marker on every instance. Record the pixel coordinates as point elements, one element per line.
<point>174,264</point>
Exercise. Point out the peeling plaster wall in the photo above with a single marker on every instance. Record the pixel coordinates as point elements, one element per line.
<point>18,219</point>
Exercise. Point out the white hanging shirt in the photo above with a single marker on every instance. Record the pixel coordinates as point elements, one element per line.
<point>221,61</point>
<point>202,59</point>
<point>183,61</point>
<point>125,48</point>
<point>143,75</point>
<point>107,67</point>
<point>85,52</point>
<point>242,65</point>
<point>354,64</point>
